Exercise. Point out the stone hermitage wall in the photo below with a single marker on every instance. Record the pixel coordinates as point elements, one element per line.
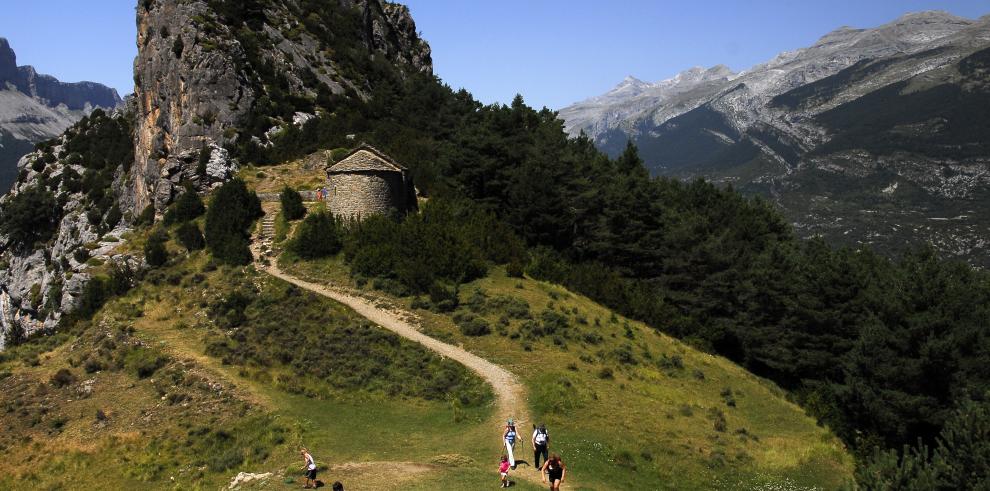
<point>362,194</point>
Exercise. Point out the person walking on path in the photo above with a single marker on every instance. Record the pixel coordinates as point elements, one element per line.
<point>309,465</point>
<point>554,471</point>
<point>509,436</point>
<point>503,470</point>
<point>541,445</point>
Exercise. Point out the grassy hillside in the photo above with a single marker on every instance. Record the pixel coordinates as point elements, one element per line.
<point>202,371</point>
<point>175,386</point>
<point>628,408</point>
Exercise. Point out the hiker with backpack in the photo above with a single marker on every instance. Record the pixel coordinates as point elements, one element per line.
<point>309,465</point>
<point>553,469</point>
<point>541,444</point>
<point>509,439</point>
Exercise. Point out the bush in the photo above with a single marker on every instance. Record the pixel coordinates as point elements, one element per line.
<point>625,458</point>
<point>81,255</point>
<point>337,154</point>
<point>292,204</point>
<point>444,297</point>
<point>188,207</point>
<point>30,217</point>
<point>146,218</point>
<point>317,236</point>
<point>99,289</point>
<point>62,378</point>
<point>229,311</point>
<point>515,269</point>
<point>112,218</point>
<point>178,46</point>
<point>231,212</point>
<point>92,365</point>
<point>204,159</point>
<point>155,253</point>
<point>143,362</point>
<point>718,421</point>
<point>190,237</point>
<point>474,326</point>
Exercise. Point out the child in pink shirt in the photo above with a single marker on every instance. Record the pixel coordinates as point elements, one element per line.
<point>503,470</point>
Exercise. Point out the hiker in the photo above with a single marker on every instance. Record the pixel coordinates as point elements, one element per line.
<point>503,470</point>
<point>541,443</point>
<point>510,432</point>
<point>554,470</point>
<point>337,486</point>
<point>509,437</point>
<point>309,465</point>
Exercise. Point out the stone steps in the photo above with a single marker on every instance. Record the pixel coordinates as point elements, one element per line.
<point>267,227</point>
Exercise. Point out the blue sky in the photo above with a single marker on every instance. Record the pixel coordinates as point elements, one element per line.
<point>554,52</point>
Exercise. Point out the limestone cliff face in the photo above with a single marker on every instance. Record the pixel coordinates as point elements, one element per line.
<point>204,70</point>
<point>187,93</point>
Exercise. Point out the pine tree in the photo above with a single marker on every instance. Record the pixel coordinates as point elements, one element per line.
<point>187,207</point>
<point>155,253</point>
<point>318,236</point>
<point>231,212</point>
<point>190,237</point>
<point>292,204</point>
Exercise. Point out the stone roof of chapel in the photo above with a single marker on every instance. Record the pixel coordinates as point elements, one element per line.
<point>366,158</point>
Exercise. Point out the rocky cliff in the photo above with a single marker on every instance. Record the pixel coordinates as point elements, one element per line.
<point>869,136</point>
<point>211,77</point>
<point>212,74</point>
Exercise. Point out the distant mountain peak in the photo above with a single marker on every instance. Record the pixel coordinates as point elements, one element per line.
<point>928,16</point>
<point>8,62</point>
<point>696,75</point>
<point>631,81</point>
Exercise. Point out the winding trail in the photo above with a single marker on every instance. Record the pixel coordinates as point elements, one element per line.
<point>510,395</point>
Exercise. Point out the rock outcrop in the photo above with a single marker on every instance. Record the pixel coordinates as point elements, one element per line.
<point>205,76</point>
<point>39,284</point>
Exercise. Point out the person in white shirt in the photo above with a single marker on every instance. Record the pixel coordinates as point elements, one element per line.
<point>541,444</point>
<point>309,466</point>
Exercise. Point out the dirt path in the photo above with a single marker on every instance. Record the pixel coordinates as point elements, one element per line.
<point>510,398</point>
<point>510,394</point>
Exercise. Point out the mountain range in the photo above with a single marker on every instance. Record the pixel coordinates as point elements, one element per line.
<point>35,107</point>
<point>868,137</point>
